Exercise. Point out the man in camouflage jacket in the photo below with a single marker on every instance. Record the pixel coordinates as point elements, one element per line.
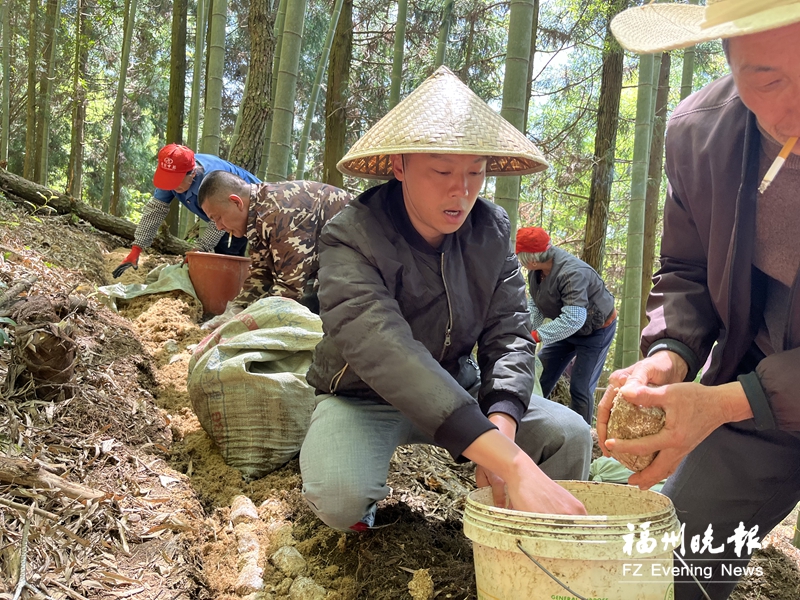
<point>282,222</point>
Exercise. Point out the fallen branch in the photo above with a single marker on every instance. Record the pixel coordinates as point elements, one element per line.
<point>25,508</point>
<point>16,289</point>
<point>23,555</point>
<point>69,592</point>
<point>65,204</point>
<point>23,472</point>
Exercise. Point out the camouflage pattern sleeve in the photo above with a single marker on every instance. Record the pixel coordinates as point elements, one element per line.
<point>283,227</point>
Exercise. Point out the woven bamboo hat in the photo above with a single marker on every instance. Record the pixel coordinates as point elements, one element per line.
<point>660,27</point>
<point>443,116</point>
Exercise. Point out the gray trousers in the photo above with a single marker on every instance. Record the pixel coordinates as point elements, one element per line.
<point>736,475</point>
<point>345,456</point>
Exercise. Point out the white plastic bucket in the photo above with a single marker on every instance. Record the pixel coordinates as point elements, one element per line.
<point>587,554</point>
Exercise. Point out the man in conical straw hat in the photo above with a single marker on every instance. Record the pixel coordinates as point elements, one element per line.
<point>728,281</point>
<point>413,274</point>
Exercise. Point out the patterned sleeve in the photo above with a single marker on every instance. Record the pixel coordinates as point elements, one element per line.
<point>210,238</point>
<point>153,214</point>
<point>537,318</point>
<point>564,325</point>
<point>294,253</point>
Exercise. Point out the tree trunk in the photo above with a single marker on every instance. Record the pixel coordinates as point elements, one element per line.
<point>255,109</point>
<point>115,196</point>
<point>39,195</point>
<point>30,112</point>
<point>75,167</point>
<point>654,182</point>
<point>177,73</point>
<point>633,256</point>
<point>513,110</point>
<point>52,20</point>
<point>186,218</point>
<point>283,110</point>
<point>6,106</point>
<point>197,69</point>
<point>463,73</point>
<point>113,142</point>
<point>605,147</point>
<point>529,86</point>
<point>688,66</point>
<point>214,79</point>
<point>399,51</point>
<point>280,21</point>
<point>336,95</point>
<point>177,94</point>
<point>444,33</point>
<point>312,102</point>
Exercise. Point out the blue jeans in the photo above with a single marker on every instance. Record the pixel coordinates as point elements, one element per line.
<point>590,353</point>
<point>345,456</point>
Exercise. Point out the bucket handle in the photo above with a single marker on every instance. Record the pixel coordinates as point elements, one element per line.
<point>577,595</point>
<point>549,574</point>
<point>702,589</point>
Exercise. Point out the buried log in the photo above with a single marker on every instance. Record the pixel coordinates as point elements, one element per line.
<point>27,473</point>
<point>65,204</point>
<point>10,296</point>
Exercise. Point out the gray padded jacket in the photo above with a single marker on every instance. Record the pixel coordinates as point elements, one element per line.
<point>402,318</point>
<point>572,283</point>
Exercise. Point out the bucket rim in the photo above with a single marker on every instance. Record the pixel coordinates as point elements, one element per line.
<point>475,506</point>
<point>199,253</point>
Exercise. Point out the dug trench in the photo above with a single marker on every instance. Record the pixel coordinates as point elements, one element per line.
<point>132,499</point>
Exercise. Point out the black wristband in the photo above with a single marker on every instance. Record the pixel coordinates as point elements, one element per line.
<point>759,404</point>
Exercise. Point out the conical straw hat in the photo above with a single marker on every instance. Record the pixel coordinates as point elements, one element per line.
<point>443,116</point>
<point>658,27</point>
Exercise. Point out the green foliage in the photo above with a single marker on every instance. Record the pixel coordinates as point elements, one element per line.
<point>4,337</point>
<point>562,115</point>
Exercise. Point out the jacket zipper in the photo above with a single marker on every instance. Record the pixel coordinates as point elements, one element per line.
<point>449,312</point>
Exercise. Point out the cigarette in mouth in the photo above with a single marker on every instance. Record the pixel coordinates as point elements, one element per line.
<point>230,237</point>
<point>776,166</point>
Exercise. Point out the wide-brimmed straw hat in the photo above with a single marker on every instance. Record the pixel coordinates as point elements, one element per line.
<point>443,116</point>
<point>660,27</point>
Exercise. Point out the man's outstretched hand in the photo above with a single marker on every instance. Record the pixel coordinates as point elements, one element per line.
<point>132,260</point>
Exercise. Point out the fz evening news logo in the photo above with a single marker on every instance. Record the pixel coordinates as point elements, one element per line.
<point>742,539</point>
<point>168,164</point>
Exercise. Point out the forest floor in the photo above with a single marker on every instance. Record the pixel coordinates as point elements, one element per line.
<point>162,526</point>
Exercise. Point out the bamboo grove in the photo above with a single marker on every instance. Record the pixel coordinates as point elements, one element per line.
<point>92,88</point>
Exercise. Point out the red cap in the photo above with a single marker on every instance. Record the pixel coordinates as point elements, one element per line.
<point>532,239</point>
<point>174,162</point>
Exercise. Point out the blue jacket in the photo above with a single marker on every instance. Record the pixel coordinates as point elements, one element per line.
<point>209,163</point>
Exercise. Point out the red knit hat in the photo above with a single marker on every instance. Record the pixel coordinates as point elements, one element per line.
<point>532,240</point>
<point>174,162</point>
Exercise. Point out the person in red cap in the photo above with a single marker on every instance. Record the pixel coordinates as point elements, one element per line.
<point>178,176</point>
<point>571,293</point>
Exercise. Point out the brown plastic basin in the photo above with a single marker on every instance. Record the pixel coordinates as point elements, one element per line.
<point>217,278</point>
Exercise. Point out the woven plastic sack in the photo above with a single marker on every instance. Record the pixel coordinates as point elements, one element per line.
<point>611,470</point>
<point>247,384</point>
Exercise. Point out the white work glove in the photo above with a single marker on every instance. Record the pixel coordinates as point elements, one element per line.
<point>231,310</point>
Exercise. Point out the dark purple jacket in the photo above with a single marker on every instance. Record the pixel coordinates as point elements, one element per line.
<point>707,290</point>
